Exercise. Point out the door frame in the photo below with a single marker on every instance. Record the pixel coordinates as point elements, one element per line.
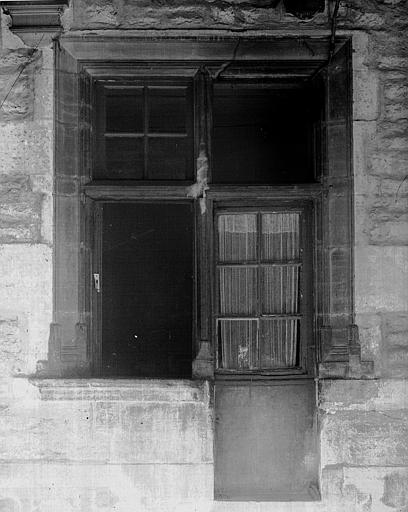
<point>94,228</point>
<point>79,63</point>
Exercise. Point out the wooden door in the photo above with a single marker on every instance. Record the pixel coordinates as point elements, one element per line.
<point>146,289</point>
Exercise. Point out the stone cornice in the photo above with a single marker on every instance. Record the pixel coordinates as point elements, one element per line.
<point>34,15</point>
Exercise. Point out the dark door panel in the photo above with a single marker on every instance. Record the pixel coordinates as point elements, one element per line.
<point>147,289</point>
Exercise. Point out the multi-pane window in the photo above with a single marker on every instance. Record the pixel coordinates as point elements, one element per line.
<point>145,132</point>
<point>260,296</point>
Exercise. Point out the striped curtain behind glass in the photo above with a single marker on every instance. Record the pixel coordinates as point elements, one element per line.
<point>258,290</point>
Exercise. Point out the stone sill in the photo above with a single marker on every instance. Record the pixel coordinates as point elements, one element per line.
<point>134,390</point>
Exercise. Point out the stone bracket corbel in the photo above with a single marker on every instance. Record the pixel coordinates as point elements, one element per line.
<point>32,20</point>
<point>357,369</point>
<point>348,364</point>
<point>65,359</point>
<point>203,364</point>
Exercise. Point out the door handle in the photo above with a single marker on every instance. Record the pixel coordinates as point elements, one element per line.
<point>97,282</point>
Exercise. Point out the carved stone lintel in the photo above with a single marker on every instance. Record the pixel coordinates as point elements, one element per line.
<point>203,364</point>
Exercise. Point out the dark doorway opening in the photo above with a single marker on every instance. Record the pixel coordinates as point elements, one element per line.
<point>147,289</point>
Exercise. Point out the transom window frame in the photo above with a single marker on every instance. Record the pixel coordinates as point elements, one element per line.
<point>126,86</point>
<point>80,63</point>
<point>242,85</point>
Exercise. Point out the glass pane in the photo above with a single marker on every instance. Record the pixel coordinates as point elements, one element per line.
<point>280,236</point>
<point>124,158</point>
<point>124,111</point>
<point>280,290</point>
<point>167,110</point>
<point>238,290</point>
<point>279,341</point>
<point>169,158</point>
<point>262,135</point>
<point>237,237</point>
<point>238,344</point>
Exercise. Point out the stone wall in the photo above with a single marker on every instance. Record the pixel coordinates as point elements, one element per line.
<point>381,198</point>
<point>101,446</point>
<point>80,445</point>
<point>26,149</point>
<point>105,446</point>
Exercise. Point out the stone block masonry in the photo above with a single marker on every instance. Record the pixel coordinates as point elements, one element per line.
<point>101,445</point>
<point>126,446</point>
<point>17,70</point>
<point>26,155</point>
<point>381,175</point>
<point>20,211</point>
<point>105,445</point>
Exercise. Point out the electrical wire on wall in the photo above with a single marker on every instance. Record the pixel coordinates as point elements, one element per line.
<point>227,64</point>
<point>23,66</point>
<point>333,31</point>
<point>332,43</point>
